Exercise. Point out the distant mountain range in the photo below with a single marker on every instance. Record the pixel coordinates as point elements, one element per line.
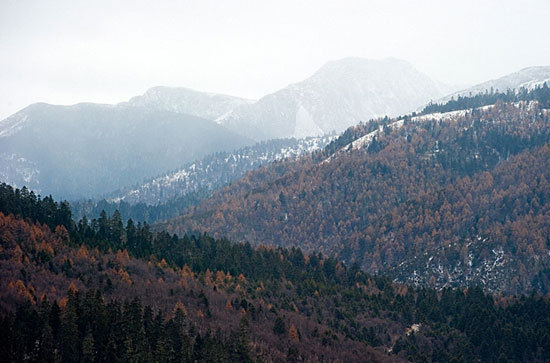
<point>340,94</point>
<point>87,149</point>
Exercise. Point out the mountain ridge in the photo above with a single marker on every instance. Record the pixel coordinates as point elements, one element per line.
<point>208,105</point>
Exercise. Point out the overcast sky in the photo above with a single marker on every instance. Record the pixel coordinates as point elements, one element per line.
<point>71,51</point>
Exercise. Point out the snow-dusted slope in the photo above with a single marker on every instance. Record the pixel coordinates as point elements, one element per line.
<point>340,94</point>
<point>217,170</point>
<point>210,106</point>
<point>364,141</point>
<point>526,78</point>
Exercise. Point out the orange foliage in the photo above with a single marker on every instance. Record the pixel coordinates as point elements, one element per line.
<point>180,306</point>
<point>125,276</point>
<point>293,333</point>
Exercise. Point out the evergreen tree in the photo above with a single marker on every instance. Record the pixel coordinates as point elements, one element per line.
<point>88,348</point>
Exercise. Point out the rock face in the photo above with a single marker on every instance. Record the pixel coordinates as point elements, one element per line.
<point>85,150</point>
<point>340,94</point>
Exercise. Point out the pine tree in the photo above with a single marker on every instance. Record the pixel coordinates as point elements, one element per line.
<point>279,326</point>
<point>88,348</point>
<point>69,336</point>
<point>46,351</point>
<point>292,354</point>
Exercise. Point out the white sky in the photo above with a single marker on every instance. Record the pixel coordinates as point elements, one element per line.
<point>71,51</point>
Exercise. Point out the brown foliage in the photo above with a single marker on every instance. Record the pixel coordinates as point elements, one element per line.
<point>412,196</point>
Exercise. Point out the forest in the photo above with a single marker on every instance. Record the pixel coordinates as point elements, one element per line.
<point>458,188</point>
<point>102,291</point>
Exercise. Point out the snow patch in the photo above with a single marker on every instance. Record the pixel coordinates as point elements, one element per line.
<point>12,124</point>
<point>305,126</point>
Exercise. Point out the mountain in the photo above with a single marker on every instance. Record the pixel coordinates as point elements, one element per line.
<point>210,106</point>
<point>216,170</point>
<point>444,199</point>
<point>65,295</point>
<point>340,94</point>
<point>526,78</point>
<point>87,149</point>
<point>167,196</point>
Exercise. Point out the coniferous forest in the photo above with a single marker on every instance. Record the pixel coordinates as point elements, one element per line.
<point>102,290</point>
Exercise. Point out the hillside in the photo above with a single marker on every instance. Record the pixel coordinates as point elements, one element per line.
<point>86,150</point>
<point>167,196</point>
<point>210,299</point>
<point>217,170</point>
<point>340,94</point>
<point>465,193</point>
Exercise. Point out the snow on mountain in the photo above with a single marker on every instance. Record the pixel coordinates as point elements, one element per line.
<point>210,106</point>
<point>19,172</point>
<point>340,94</point>
<point>527,78</point>
<point>12,124</point>
<point>217,170</point>
<point>364,141</point>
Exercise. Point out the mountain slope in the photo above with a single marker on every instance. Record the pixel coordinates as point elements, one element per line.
<point>525,78</point>
<point>167,196</point>
<point>340,94</point>
<point>379,197</point>
<point>210,106</point>
<point>66,296</point>
<point>87,149</point>
<point>217,170</point>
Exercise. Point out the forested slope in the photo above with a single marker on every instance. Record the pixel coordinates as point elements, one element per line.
<point>467,189</point>
<point>67,295</point>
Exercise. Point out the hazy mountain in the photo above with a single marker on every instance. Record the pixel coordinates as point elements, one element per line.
<point>340,94</point>
<point>526,78</point>
<point>210,106</point>
<point>88,149</point>
<point>216,170</point>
